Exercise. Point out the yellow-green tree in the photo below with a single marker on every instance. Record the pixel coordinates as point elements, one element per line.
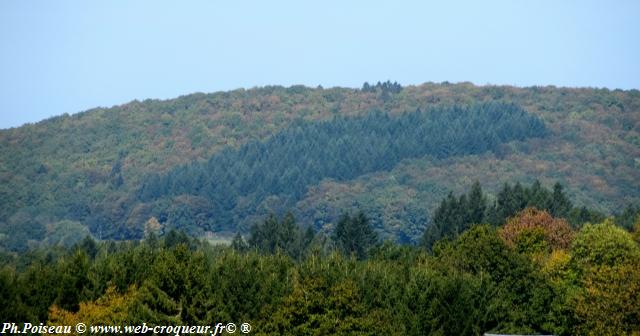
<point>606,265</point>
<point>110,309</point>
<point>609,303</point>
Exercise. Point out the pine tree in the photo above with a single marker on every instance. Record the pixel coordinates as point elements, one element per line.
<point>273,235</point>
<point>538,196</point>
<point>477,204</point>
<point>560,205</point>
<point>89,246</point>
<point>354,235</point>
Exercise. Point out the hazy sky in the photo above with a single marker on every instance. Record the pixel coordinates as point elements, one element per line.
<point>68,56</point>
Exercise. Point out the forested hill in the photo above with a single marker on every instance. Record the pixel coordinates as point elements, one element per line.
<point>234,183</point>
<point>96,170</point>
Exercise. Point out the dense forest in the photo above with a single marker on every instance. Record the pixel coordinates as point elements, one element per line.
<point>438,209</point>
<point>288,163</point>
<point>531,273</point>
<point>95,172</point>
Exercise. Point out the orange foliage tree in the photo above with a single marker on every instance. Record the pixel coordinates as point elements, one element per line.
<point>530,222</point>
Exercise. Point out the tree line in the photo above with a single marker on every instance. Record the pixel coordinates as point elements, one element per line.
<point>456,214</point>
<point>516,278</point>
<point>532,273</point>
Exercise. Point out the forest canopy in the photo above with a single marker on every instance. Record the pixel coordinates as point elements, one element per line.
<point>353,212</point>
<point>90,171</point>
<point>532,274</point>
<point>233,183</point>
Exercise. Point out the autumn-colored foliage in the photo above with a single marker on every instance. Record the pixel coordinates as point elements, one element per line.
<point>557,232</point>
<point>609,302</point>
<point>111,308</point>
<point>87,167</point>
<point>468,285</point>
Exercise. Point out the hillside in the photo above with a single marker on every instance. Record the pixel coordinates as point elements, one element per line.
<point>66,174</point>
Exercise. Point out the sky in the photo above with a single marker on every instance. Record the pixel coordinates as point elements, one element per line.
<point>69,56</point>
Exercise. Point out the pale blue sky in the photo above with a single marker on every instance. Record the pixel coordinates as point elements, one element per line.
<point>68,56</point>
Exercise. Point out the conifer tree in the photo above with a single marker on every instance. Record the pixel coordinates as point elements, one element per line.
<point>477,204</point>
<point>560,205</point>
<point>354,235</point>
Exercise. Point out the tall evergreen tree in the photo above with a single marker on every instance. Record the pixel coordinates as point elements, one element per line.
<point>560,205</point>
<point>355,235</point>
<point>477,204</point>
<point>455,215</point>
<point>538,196</point>
<point>284,235</point>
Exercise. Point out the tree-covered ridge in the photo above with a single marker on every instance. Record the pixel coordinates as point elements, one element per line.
<point>58,172</point>
<point>285,165</point>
